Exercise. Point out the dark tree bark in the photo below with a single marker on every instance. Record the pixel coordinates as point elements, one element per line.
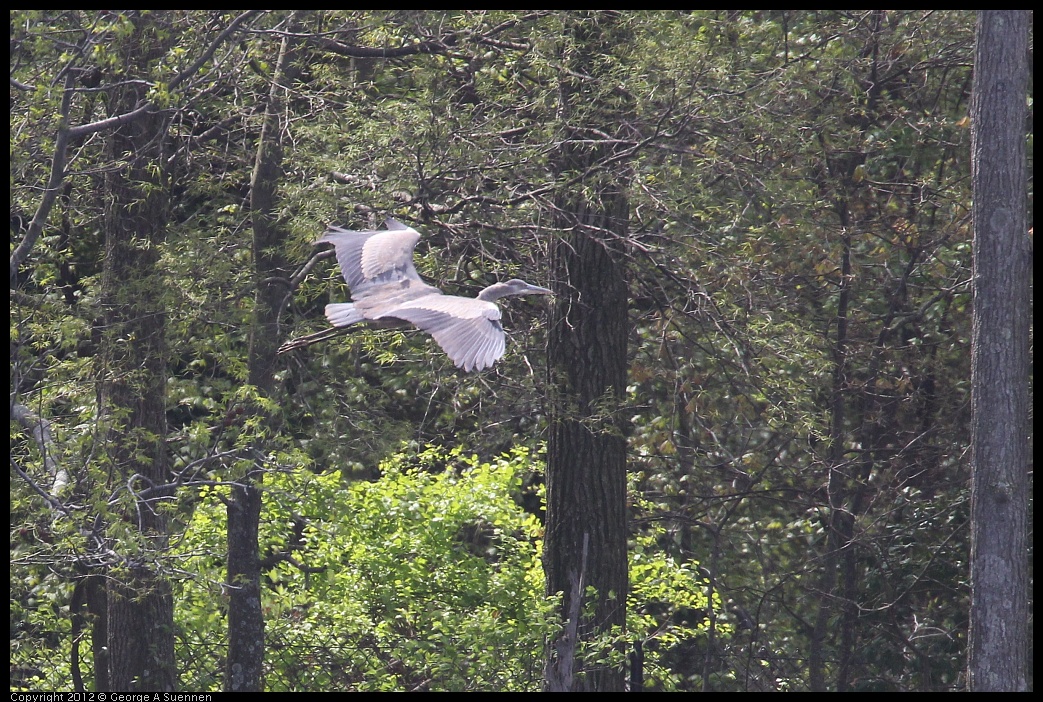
<point>132,383</point>
<point>999,631</point>
<point>840,522</point>
<point>244,666</point>
<point>585,543</point>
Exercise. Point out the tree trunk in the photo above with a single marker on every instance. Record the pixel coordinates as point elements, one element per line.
<point>97,607</point>
<point>999,629</point>
<point>244,666</point>
<point>132,385</point>
<point>585,544</point>
<point>840,520</point>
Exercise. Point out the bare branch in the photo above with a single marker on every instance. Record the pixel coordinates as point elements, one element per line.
<point>54,180</point>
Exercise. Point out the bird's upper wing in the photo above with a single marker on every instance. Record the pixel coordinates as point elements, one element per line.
<point>467,329</point>
<point>371,259</point>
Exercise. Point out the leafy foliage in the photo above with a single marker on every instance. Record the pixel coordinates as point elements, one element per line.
<point>427,578</point>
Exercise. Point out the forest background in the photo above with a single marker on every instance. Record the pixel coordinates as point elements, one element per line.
<point>779,296</point>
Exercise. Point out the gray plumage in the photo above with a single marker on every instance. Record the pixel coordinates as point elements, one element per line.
<point>386,289</point>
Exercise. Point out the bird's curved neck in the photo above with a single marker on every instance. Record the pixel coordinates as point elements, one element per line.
<point>494,292</point>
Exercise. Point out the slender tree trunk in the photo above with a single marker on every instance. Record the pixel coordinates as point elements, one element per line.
<point>97,607</point>
<point>839,520</point>
<point>244,666</point>
<point>999,631</point>
<point>132,387</point>
<point>585,543</point>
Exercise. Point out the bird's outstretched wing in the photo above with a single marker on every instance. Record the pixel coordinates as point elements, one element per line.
<point>468,330</point>
<point>370,260</point>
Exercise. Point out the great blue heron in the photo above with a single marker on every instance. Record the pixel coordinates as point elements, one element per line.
<point>386,291</point>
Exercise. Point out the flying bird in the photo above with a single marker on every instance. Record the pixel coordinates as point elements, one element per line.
<point>386,291</point>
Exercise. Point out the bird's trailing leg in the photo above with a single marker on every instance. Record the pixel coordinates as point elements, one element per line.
<point>309,339</point>
<point>327,334</point>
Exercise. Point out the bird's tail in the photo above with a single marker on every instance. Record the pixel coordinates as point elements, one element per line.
<point>341,314</point>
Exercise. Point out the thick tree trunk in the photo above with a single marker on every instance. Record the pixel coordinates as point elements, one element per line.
<point>132,386</point>
<point>999,631</point>
<point>585,544</point>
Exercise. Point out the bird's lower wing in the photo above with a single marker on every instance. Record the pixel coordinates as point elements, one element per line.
<point>472,342</point>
